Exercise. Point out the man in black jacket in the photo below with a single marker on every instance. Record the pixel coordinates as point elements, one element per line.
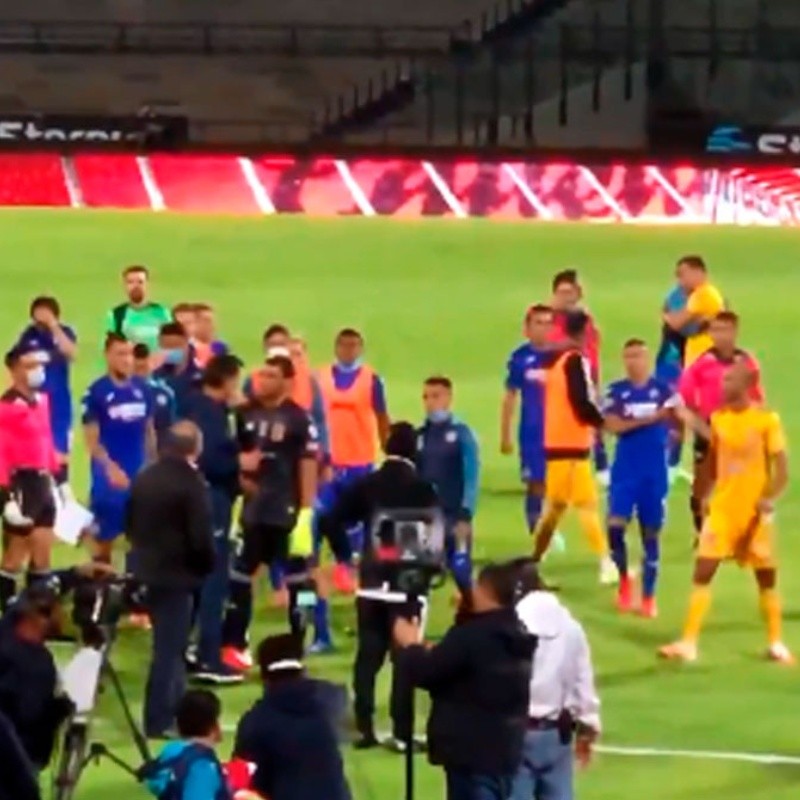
<point>290,734</point>
<point>395,486</point>
<point>478,677</point>
<point>171,532</point>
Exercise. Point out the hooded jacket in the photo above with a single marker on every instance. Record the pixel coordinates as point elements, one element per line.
<point>562,677</point>
<point>290,735</point>
<point>478,678</point>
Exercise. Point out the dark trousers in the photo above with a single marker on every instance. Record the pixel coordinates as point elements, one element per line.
<point>375,623</point>
<point>214,592</point>
<point>463,785</point>
<point>171,616</point>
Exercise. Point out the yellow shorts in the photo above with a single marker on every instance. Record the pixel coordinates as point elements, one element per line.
<point>730,534</point>
<point>569,482</point>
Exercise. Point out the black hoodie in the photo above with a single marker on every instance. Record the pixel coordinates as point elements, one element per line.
<point>478,678</point>
<point>290,735</point>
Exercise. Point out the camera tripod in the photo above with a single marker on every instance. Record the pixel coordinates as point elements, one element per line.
<point>78,752</point>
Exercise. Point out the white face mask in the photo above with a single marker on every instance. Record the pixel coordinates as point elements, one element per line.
<point>36,377</point>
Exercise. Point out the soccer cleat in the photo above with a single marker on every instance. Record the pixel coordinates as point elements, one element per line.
<point>320,647</point>
<point>603,477</point>
<point>625,596</point>
<point>239,660</point>
<point>679,651</point>
<point>648,608</point>
<point>141,621</point>
<point>609,575</point>
<point>222,675</point>
<point>343,579</point>
<point>780,653</point>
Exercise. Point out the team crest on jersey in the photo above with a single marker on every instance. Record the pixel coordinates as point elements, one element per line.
<point>534,375</point>
<point>450,437</point>
<point>277,432</point>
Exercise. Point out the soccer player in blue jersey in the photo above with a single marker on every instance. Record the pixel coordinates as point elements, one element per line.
<point>525,373</point>
<point>55,346</point>
<point>638,409</point>
<point>162,394</point>
<point>117,421</point>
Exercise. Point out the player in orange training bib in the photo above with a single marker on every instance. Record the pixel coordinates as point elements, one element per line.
<point>748,452</point>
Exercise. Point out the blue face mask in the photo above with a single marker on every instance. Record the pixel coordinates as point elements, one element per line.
<point>174,356</point>
<point>438,416</point>
<point>349,367</point>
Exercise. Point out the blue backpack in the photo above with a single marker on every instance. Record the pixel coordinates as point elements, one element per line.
<point>165,778</point>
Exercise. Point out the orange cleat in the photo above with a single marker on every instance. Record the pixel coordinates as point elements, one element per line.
<point>648,608</point>
<point>239,660</point>
<point>141,621</point>
<point>343,579</point>
<point>679,651</point>
<point>780,653</point>
<point>625,596</point>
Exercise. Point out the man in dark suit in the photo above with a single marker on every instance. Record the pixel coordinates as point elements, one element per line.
<point>171,532</point>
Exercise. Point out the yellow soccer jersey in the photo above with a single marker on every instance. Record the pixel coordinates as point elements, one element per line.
<point>743,444</point>
<point>706,301</point>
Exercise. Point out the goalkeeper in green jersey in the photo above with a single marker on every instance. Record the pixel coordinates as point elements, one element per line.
<point>138,319</point>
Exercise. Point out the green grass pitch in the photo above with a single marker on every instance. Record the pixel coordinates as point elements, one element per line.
<point>448,296</point>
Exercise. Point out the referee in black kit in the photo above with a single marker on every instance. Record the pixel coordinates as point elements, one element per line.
<point>394,486</point>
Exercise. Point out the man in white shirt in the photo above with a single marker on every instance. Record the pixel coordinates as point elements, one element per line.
<point>564,706</point>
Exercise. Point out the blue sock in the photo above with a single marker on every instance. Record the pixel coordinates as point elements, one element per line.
<point>600,454</point>
<point>322,630</point>
<point>356,537</point>
<point>240,613</point>
<point>533,510</point>
<point>651,547</point>
<point>36,576</point>
<point>461,567</point>
<point>619,550</point>
<point>277,572</point>
<point>674,452</point>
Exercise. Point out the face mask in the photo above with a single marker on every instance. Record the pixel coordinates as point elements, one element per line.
<point>36,377</point>
<point>350,367</point>
<point>438,416</point>
<point>174,356</point>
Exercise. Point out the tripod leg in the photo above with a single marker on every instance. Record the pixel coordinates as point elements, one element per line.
<point>138,737</point>
<point>72,763</point>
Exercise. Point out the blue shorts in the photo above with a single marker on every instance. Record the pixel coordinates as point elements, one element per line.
<point>109,515</point>
<point>330,492</point>
<point>645,495</point>
<point>62,435</point>
<point>532,464</point>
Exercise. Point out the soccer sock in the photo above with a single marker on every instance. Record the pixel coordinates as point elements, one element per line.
<point>34,576</point>
<point>651,557</point>
<point>590,522</point>
<point>356,537</point>
<point>461,568</point>
<point>240,612</point>
<point>697,513</point>
<point>770,603</point>
<point>296,615</point>
<point>277,573</point>
<point>600,454</point>
<point>8,588</point>
<point>699,603</point>
<point>619,550</point>
<point>533,510</point>
<point>322,630</point>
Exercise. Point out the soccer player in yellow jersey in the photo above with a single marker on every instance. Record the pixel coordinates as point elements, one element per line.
<point>703,304</point>
<point>748,452</point>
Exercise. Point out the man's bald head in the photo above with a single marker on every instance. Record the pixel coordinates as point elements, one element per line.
<point>185,440</point>
<point>737,381</point>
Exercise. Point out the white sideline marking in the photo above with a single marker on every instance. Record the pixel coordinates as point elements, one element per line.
<point>150,186</point>
<point>262,199</point>
<point>357,193</point>
<point>525,190</point>
<point>444,190</point>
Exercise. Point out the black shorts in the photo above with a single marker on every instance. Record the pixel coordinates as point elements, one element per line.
<point>33,491</point>
<point>262,544</point>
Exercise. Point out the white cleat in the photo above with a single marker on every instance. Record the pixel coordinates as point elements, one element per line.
<point>603,477</point>
<point>780,653</point>
<point>609,575</point>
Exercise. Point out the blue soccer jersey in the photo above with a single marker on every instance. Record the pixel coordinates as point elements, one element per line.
<point>162,398</point>
<point>525,374</point>
<point>40,342</point>
<point>639,476</point>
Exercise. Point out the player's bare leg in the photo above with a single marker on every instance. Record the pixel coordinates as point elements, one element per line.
<point>40,543</point>
<point>546,528</point>
<point>770,603</point>
<point>534,499</point>
<point>102,551</point>
<point>701,484</point>
<point>685,649</point>
<point>589,520</point>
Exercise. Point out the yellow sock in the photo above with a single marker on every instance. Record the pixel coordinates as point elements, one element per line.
<point>593,531</point>
<point>699,603</point>
<point>770,603</point>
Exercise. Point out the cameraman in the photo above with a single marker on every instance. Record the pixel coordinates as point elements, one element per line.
<point>478,678</point>
<point>395,485</point>
<point>28,675</point>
